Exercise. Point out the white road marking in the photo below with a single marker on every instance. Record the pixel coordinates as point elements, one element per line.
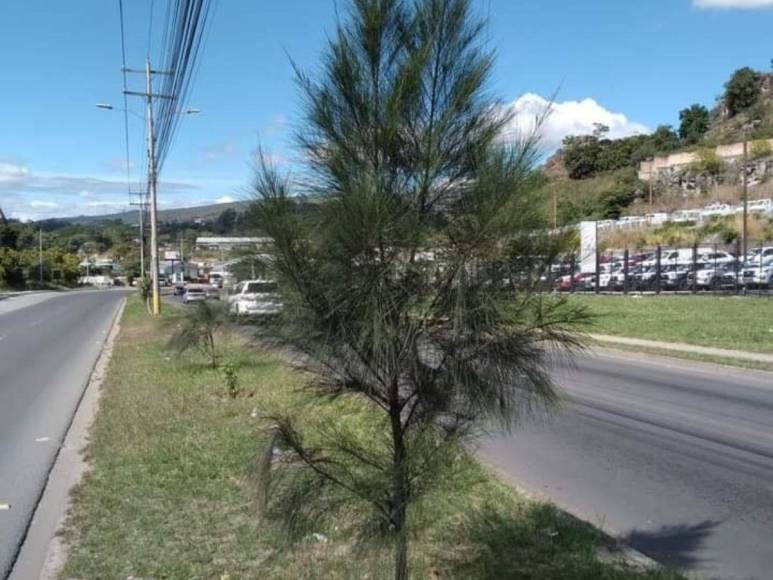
<point>42,439</point>
<point>35,323</point>
<point>5,506</point>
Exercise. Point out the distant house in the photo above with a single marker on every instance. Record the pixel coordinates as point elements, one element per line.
<point>99,264</point>
<point>178,271</point>
<point>229,243</point>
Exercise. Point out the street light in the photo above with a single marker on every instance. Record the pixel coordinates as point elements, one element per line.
<point>746,128</point>
<point>109,107</point>
<point>152,174</point>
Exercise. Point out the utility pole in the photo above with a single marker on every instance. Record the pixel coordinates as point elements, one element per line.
<point>143,206</point>
<point>40,254</point>
<point>652,167</point>
<point>152,178</point>
<point>152,193</point>
<point>746,128</point>
<point>745,198</point>
<point>182,256</point>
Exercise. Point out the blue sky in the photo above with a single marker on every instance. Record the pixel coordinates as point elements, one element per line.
<point>628,63</point>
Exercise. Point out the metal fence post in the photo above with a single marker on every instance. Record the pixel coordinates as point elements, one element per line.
<point>572,266</point>
<point>763,284</point>
<point>657,270</point>
<point>625,271</point>
<point>596,283</point>
<point>737,264</point>
<point>694,268</point>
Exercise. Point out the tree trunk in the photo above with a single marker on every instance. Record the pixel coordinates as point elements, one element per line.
<point>400,494</point>
<point>212,351</point>
<point>263,486</point>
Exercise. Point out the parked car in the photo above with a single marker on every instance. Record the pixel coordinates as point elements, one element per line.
<point>194,294</point>
<point>674,276</point>
<point>759,276</point>
<point>761,205</point>
<point>255,297</point>
<point>713,276</point>
<point>754,255</point>
<point>644,277</point>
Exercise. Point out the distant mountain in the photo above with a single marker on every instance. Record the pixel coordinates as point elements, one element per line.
<point>181,214</point>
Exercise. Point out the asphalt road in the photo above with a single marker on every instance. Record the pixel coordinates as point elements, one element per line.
<point>675,457</point>
<point>48,345</point>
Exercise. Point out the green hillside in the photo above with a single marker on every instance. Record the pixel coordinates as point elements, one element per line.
<point>595,177</point>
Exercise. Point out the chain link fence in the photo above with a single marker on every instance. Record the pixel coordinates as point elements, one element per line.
<point>701,268</point>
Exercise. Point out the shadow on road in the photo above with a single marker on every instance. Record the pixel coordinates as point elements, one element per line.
<point>676,546</point>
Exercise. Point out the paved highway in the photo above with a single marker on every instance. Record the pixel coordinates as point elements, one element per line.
<point>49,343</point>
<point>675,457</point>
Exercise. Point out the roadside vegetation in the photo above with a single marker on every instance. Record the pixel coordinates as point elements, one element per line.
<point>739,323</point>
<point>173,487</point>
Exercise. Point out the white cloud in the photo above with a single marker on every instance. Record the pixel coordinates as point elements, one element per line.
<point>740,4</point>
<point>217,151</point>
<point>225,199</point>
<point>276,126</point>
<point>12,173</point>
<point>105,203</point>
<point>43,204</point>
<point>566,118</point>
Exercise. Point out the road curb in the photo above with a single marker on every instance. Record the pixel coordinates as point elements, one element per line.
<point>43,552</point>
<point>684,348</point>
<point>616,550</point>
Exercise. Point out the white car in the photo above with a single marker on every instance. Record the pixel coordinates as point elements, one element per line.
<point>255,297</point>
<point>686,215</point>
<point>759,276</point>
<point>714,276</point>
<point>717,209</point>
<point>194,294</point>
<point>761,205</point>
<point>754,255</point>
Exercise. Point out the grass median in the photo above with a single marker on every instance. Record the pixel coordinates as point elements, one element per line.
<point>730,322</point>
<point>172,486</point>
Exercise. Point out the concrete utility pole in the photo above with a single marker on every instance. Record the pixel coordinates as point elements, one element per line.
<point>152,194</point>
<point>746,128</point>
<point>152,177</point>
<point>652,166</point>
<point>143,205</point>
<point>40,254</point>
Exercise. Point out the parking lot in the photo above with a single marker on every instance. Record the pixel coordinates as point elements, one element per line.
<point>713,268</point>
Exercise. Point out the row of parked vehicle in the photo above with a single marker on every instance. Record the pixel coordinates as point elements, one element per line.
<point>712,210</point>
<point>680,269</point>
<point>247,298</point>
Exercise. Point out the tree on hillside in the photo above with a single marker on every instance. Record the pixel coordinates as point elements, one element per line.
<point>581,155</point>
<point>664,139</point>
<point>413,291</point>
<point>742,90</point>
<point>693,123</point>
<point>225,222</point>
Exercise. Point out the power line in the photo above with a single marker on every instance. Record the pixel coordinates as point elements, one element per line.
<point>125,96</point>
<point>183,34</point>
<point>150,25</point>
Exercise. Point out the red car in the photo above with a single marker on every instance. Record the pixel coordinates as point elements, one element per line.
<point>566,283</point>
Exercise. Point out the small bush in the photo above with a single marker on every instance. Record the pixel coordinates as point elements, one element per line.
<point>708,162</point>
<point>761,148</point>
